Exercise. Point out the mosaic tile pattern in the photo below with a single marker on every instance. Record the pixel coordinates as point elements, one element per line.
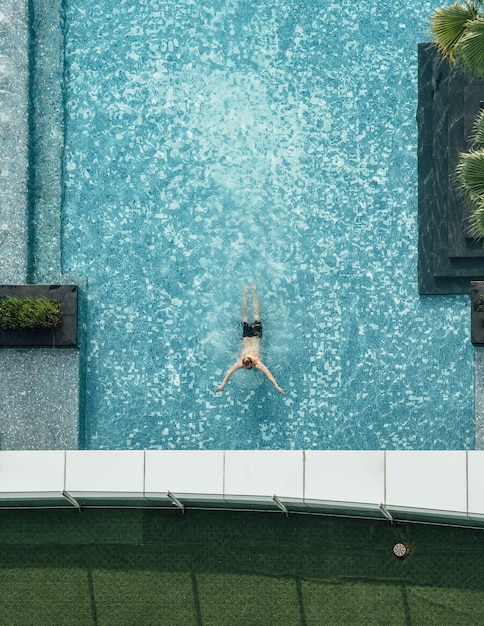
<point>210,144</point>
<point>14,129</point>
<point>39,399</point>
<point>47,141</point>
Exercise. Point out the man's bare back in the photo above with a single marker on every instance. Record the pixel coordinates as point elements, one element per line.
<point>252,335</point>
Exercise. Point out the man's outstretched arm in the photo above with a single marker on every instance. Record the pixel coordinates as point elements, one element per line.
<point>229,373</point>
<point>260,366</point>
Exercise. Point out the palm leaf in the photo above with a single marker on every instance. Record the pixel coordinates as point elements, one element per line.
<point>477,133</point>
<point>469,50</point>
<point>448,25</point>
<point>470,175</point>
<point>476,221</point>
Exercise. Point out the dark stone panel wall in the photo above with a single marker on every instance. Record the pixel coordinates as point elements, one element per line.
<point>448,103</point>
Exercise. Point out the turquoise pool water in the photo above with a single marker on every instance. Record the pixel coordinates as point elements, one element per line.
<point>209,144</point>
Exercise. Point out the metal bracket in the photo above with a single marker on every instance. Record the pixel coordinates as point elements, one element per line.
<point>72,500</point>
<point>280,505</point>
<point>175,501</point>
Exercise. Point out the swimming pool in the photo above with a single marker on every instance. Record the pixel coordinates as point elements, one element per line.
<point>217,143</point>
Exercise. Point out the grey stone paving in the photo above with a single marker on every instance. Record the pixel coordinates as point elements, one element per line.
<point>14,131</point>
<point>38,399</point>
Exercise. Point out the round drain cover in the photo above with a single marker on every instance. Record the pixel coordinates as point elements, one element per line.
<point>401,550</point>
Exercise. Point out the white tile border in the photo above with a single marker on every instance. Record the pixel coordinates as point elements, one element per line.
<point>436,482</point>
<point>475,482</point>
<point>184,472</point>
<point>104,471</point>
<point>349,476</point>
<point>264,473</point>
<point>32,472</point>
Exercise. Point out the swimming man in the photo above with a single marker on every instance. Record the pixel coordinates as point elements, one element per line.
<point>251,336</point>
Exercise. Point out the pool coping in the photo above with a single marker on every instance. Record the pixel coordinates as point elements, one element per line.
<point>439,486</point>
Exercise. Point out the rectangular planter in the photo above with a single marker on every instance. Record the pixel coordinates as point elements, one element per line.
<point>63,336</point>
<point>448,103</point>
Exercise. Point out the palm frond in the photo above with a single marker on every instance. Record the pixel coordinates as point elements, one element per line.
<point>469,50</point>
<point>477,134</point>
<point>470,175</point>
<point>448,25</point>
<point>476,221</point>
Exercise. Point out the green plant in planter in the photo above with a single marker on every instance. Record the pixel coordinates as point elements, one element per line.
<point>458,33</point>
<point>29,313</point>
<point>470,178</point>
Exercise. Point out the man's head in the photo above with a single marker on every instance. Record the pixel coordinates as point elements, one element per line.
<point>247,363</point>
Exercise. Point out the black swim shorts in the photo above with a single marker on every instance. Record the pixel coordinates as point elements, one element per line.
<point>252,330</point>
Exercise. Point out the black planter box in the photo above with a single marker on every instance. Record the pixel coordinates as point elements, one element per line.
<point>63,336</point>
<point>448,103</point>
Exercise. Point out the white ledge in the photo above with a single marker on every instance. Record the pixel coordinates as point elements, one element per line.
<point>395,483</point>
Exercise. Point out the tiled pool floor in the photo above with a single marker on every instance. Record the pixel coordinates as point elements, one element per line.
<point>209,145</point>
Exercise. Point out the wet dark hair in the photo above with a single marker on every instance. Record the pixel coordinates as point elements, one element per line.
<point>247,361</point>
